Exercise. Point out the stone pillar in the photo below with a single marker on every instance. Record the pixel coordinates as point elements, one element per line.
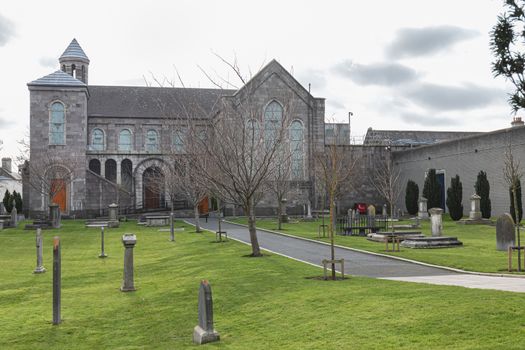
<point>57,276</point>
<point>102,253</point>
<point>119,172</point>
<point>128,240</point>
<point>475,212</point>
<point>54,215</point>
<point>436,221</point>
<point>385,210</point>
<point>423,212</point>
<point>284,216</point>
<point>39,252</point>
<point>14,217</point>
<point>113,215</point>
<point>205,332</point>
<point>308,210</point>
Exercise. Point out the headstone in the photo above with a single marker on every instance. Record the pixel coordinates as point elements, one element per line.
<point>385,212</point>
<point>14,218</point>
<point>284,216</point>
<point>128,240</point>
<point>54,215</point>
<point>39,252</point>
<point>113,215</point>
<point>204,332</point>
<point>371,210</point>
<point>308,210</point>
<point>505,232</point>
<point>436,221</point>
<point>56,280</point>
<point>423,212</point>
<point>475,212</point>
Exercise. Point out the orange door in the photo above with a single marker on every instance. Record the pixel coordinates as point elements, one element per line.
<point>58,187</point>
<point>203,206</point>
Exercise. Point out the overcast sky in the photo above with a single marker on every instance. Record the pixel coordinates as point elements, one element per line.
<point>405,64</point>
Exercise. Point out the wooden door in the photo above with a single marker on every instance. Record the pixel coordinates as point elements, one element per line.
<point>151,197</point>
<point>58,187</point>
<point>203,206</point>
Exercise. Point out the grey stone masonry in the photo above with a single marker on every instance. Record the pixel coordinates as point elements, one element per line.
<point>204,332</point>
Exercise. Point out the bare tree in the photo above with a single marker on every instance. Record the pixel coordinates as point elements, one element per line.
<point>512,175</point>
<point>385,180</point>
<point>279,182</point>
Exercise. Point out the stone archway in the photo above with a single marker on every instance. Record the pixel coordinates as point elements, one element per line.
<point>138,176</point>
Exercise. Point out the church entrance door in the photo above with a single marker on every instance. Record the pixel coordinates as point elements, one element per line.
<point>153,181</point>
<point>58,189</point>
<point>203,206</point>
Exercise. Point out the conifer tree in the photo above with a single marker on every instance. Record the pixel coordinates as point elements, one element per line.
<point>518,202</point>
<point>483,190</point>
<point>455,198</point>
<point>432,190</point>
<point>411,197</point>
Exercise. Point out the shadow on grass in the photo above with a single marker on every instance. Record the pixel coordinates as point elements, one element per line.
<point>321,278</point>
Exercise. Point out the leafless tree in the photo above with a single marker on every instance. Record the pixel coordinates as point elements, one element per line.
<point>279,182</point>
<point>512,175</point>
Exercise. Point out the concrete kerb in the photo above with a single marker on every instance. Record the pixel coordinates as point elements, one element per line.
<point>384,255</point>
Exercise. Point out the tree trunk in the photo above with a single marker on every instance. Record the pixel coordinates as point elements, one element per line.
<point>172,226</point>
<point>197,224</point>
<point>516,215</point>
<point>392,216</point>
<point>332,247</point>
<point>256,251</point>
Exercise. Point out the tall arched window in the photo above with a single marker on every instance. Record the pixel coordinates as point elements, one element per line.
<point>126,174</point>
<point>273,115</point>
<point>94,166</point>
<point>57,124</point>
<point>124,140</point>
<point>178,140</point>
<point>97,140</point>
<point>297,149</point>
<point>152,141</point>
<point>110,168</point>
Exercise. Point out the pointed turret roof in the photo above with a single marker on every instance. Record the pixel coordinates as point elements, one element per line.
<point>74,51</point>
<point>57,78</point>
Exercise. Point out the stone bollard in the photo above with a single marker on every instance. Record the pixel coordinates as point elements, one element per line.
<point>14,218</point>
<point>436,221</point>
<point>205,332</point>
<point>56,280</point>
<point>113,215</point>
<point>308,210</point>
<point>39,255</point>
<point>102,253</point>
<point>54,215</point>
<point>422,212</point>
<point>129,240</point>
<point>475,212</point>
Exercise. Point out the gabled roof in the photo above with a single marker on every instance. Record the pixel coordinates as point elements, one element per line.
<point>74,51</point>
<point>6,175</point>
<point>152,102</point>
<point>57,78</point>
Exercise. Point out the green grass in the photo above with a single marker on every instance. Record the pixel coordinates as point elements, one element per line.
<point>260,303</point>
<point>478,252</point>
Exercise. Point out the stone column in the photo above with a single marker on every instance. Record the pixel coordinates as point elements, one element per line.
<point>385,210</point>
<point>436,221</point>
<point>475,212</point>
<point>113,215</point>
<point>308,210</point>
<point>423,212</point>
<point>39,252</point>
<point>128,240</point>
<point>205,332</point>
<point>54,215</point>
<point>14,217</point>
<point>57,276</point>
<point>102,253</point>
<point>284,216</point>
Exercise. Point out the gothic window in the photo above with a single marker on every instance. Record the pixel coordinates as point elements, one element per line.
<point>111,170</point>
<point>94,166</point>
<point>97,140</point>
<point>126,174</point>
<point>297,149</point>
<point>273,115</point>
<point>124,140</point>
<point>57,124</point>
<point>152,141</point>
<point>178,140</point>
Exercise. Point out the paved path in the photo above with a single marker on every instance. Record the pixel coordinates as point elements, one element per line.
<point>363,264</point>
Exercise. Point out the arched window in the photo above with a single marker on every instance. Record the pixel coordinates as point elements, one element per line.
<point>57,124</point>
<point>124,140</point>
<point>126,173</point>
<point>97,140</point>
<point>94,166</point>
<point>273,115</point>
<point>111,170</point>
<point>297,149</point>
<point>178,140</point>
<point>152,141</point>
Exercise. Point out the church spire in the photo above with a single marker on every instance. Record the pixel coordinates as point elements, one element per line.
<point>75,62</point>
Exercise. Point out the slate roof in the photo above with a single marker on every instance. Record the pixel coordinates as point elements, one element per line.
<point>57,78</point>
<point>151,102</point>
<point>74,51</point>
<point>412,138</point>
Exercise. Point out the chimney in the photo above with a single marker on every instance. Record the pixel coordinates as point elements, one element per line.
<point>6,164</point>
<point>516,121</point>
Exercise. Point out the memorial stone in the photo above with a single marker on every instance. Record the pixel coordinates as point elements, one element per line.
<point>284,216</point>
<point>204,332</point>
<point>505,236</point>
<point>128,240</point>
<point>423,212</point>
<point>39,252</point>
<point>308,210</point>
<point>436,221</point>
<point>57,272</point>
<point>14,217</point>
<point>54,215</point>
<point>385,212</point>
<point>113,215</point>
<point>475,212</point>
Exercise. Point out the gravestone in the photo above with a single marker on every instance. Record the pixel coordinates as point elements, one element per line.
<point>422,212</point>
<point>205,332</point>
<point>54,215</point>
<point>14,218</point>
<point>128,240</point>
<point>385,212</point>
<point>308,210</point>
<point>113,215</point>
<point>39,252</point>
<point>436,221</point>
<point>284,216</point>
<point>371,210</point>
<point>504,232</point>
<point>475,212</point>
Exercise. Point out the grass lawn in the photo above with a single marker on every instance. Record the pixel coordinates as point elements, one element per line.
<point>478,252</point>
<point>260,303</point>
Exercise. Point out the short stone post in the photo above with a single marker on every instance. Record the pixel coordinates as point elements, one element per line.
<point>113,215</point>
<point>475,212</point>
<point>56,280</point>
<point>14,217</point>
<point>205,332</point>
<point>436,221</point>
<point>308,210</point>
<point>128,240</point>
<point>102,253</point>
<point>39,252</point>
<point>422,212</point>
<point>54,215</point>
<point>385,211</point>
<point>172,228</point>
<point>284,216</point>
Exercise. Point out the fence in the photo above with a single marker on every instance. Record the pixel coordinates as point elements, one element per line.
<point>361,224</point>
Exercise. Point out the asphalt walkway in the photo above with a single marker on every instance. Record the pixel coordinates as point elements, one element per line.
<point>363,264</point>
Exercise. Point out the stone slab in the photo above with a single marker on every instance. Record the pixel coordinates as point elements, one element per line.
<point>431,242</point>
<point>200,336</point>
<point>402,235</point>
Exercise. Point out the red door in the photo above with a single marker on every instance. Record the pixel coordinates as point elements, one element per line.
<point>58,189</point>
<point>203,206</point>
